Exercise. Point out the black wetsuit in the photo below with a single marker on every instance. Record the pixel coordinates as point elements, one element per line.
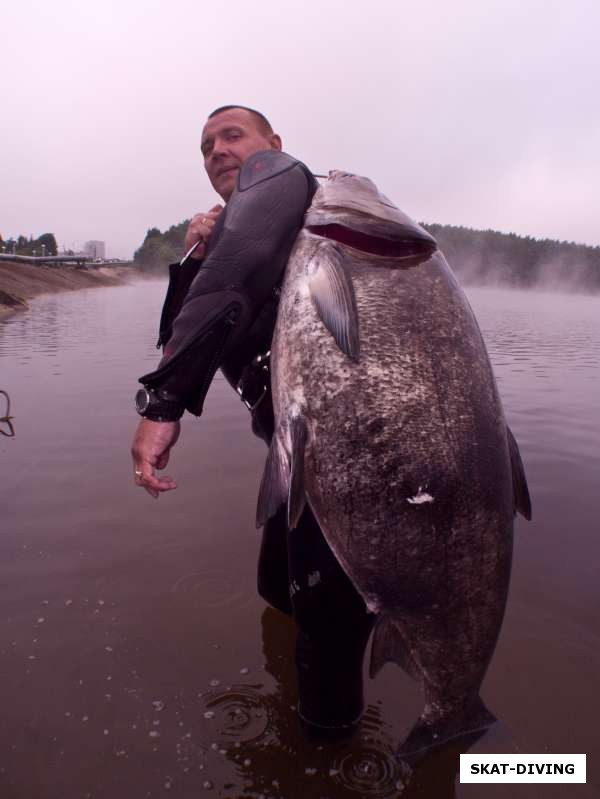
<point>221,312</point>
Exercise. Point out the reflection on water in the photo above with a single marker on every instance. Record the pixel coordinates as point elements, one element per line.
<point>135,654</point>
<point>258,731</point>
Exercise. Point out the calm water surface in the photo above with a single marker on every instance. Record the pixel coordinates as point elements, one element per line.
<point>136,659</point>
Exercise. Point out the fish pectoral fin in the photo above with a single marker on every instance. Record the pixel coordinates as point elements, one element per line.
<point>333,294</point>
<point>274,485</point>
<point>297,495</point>
<point>390,646</point>
<point>519,481</point>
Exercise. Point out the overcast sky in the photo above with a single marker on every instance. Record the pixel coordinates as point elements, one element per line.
<point>473,112</point>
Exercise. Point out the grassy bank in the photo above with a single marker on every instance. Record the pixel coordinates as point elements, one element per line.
<point>21,282</point>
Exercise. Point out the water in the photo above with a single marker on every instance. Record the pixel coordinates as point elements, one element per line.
<point>135,656</point>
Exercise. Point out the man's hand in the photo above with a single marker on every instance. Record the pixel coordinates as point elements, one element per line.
<point>200,229</point>
<point>150,450</point>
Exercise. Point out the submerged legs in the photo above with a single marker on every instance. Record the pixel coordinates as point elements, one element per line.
<point>333,623</point>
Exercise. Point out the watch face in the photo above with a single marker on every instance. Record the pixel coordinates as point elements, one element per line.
<point>142,400</point>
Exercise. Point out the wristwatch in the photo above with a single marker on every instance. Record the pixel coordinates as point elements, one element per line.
<point>156,406</point>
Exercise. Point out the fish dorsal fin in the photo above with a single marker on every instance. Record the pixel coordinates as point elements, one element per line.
<point>333,294</point>
<point>389,646</point>
<point>274,486</point>
<point>519,481</point>
<point>297,495</point>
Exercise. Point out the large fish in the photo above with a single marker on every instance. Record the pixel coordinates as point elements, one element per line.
<point>389,424</point>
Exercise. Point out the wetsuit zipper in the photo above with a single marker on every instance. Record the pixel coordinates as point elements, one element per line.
<point>229,320</point>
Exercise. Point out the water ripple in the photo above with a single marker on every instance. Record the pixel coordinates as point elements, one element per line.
<point>214,588</point>
<point>239,714</point>
<point>372,770</point>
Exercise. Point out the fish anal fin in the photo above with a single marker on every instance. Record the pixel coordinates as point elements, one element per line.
<point>519,481</point>
<point>390,646</point>
<point>297,495</point>
<point>333,294</point>
<point>274,485</point>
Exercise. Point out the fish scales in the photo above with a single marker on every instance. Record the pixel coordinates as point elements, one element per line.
<point>391,401</point>
<point>407,466</point>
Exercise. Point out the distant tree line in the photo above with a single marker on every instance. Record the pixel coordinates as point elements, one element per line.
<point>479,257</point>
<point>160,249</point>
<point>484,257</point>
<point>30,246</point>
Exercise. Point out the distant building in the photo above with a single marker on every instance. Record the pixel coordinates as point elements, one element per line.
<point>95,249</point>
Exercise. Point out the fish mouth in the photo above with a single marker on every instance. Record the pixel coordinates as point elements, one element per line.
<point>352,211</point>
<point>410,246</point>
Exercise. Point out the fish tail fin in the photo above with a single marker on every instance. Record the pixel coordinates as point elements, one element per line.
<point>466,725</point>
<point>390,646</point>
<point>479,715</point>
<point>297,495</point>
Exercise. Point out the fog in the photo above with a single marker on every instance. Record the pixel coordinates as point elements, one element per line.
<point>471,114</point>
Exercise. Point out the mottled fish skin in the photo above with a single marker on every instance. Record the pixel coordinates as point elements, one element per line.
<point>407,466</point>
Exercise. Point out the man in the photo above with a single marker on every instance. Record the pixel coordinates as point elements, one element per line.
<point>223,315</point>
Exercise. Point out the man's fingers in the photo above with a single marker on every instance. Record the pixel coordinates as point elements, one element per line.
<point>200,229</point>
<point>156,485</point>
<point>150,450</point>
<point>162,483</point>
<point>145,478</point>
<point>203,223</point>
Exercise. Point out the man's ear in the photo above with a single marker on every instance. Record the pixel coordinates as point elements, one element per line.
<point>275,140</point>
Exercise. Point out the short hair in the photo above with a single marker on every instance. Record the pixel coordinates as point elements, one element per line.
<point>262,122</point>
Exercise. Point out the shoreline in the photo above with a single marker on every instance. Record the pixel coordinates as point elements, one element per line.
<point>21,282</point>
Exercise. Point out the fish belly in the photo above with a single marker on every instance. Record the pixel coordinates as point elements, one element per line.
<point>406,467</point>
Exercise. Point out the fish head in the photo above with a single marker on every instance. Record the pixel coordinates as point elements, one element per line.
<point>351,210</point>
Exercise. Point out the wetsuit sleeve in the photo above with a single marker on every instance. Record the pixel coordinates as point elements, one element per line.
<point>263,218</point>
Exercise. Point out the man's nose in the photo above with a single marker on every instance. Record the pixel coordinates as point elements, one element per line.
<point>219,148</point>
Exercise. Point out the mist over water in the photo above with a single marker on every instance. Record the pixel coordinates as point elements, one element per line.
<point>488,258</point>
<point>136,657</point>
<point>557,273</point>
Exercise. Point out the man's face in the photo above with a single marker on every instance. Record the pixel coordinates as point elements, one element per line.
<point>227,140</point>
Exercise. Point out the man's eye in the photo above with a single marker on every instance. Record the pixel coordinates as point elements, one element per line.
<point>234,134</point>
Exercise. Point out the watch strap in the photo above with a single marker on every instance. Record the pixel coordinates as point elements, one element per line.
<point>157,407</point>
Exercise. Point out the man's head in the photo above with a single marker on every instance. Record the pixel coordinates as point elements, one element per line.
<point>231,134</point>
